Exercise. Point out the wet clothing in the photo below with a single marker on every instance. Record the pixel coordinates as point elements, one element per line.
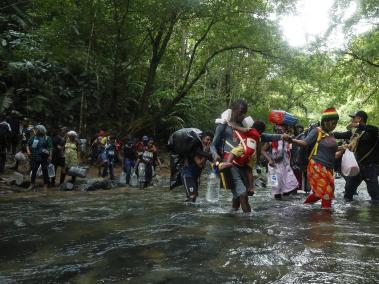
<point>239,175</point>
<point>281,154</point>
<point>108,157</point>
<point>321,180</point>
<point>368,164</point>
<point>366,142</point>
<point>190,175</point>
<point>367,173</point>
<point>320,167</point>
<point>148,158</point>
<point>130,157</point>
<point>326,149</point>
<point>223,143</point>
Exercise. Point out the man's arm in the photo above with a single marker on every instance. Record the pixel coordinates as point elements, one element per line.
<point>216,141</point>
<point>266,137</point>
<point>343,135</point>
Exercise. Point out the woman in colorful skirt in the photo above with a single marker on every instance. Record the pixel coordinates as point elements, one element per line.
<point>324,150</point>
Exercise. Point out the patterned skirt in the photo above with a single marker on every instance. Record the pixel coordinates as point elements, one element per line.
<point>321,180</point>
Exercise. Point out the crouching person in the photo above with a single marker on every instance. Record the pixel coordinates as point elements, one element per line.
<point>188,159</point>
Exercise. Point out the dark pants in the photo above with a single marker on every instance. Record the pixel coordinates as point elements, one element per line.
<point>108,166</point>
<point>128,166</point>
<point>190,182</point>
<point>58,162</point>
<point>369,174</point>
<point>34,165</point>
<point>14,143</point>
<point>3,158</point>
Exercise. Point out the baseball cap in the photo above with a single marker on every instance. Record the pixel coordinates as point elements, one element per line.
<point>360,114</point>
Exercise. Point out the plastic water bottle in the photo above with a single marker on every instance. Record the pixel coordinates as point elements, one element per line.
<point>213,188</point>
<point>272,178</point>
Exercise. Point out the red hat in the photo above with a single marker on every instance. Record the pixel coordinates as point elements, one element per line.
<point>330,113</point>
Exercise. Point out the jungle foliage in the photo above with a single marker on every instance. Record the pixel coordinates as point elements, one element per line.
<point>154,66</point>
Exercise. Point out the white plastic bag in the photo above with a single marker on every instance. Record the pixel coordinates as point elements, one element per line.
<point>272,178</point>
<point>39,172</point>
<point>349,165</point>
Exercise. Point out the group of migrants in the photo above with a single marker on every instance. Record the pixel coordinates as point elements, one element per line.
<point>301,158</point>
<point>62,149</point>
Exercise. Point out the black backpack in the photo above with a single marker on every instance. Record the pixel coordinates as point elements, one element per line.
<point>300,155</point>
<point>185,141</point>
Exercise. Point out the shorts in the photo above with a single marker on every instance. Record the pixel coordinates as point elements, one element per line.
<point>190,185</point>
<point>239,176</point>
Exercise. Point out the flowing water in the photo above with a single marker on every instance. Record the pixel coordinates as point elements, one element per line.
<point>152,236</point>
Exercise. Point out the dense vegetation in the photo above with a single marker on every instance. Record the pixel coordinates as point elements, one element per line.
<point>154,66</point>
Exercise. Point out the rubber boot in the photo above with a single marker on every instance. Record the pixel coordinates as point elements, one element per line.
<point>245,203</point>
<point>312,198</point>
<point>236,203</point>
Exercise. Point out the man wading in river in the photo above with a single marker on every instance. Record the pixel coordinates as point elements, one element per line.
<point>224,141</point>
<point>364,143</point>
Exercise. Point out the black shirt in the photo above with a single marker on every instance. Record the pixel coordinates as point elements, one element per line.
<point>130,152</point>
<point>365,144</point>
<point>58,141</point>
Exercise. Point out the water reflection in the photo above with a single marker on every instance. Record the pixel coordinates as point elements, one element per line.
<point>152,236</point>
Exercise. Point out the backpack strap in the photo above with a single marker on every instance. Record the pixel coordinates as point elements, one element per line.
<point>243,142</point>
<point>355,138</point>
<point>320,135</point>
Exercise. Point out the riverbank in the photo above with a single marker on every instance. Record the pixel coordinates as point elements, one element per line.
<point>8,178</point>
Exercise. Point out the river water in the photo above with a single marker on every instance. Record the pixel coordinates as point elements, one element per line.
<point>152,236</point>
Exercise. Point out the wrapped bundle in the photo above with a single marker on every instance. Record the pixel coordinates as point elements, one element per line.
<point>282,117</point>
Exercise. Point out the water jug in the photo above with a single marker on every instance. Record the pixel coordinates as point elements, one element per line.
<point>133,179</point>
<point>123,177</point>
<point>272,178</point>
<point>51,170</point>
<point>213,188</point>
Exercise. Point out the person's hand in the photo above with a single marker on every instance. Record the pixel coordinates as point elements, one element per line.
<point>354,125</point>
<point>224,165</point>
<point>271,162</point>
<point>286,137</point>
<point>233,125</point>
<point>217,158</point>
<point>250,191</point>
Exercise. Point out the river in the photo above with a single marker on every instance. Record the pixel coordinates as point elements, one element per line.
<point>152,236</point>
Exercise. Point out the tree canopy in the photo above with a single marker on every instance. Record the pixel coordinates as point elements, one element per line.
<point>154,66</point>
